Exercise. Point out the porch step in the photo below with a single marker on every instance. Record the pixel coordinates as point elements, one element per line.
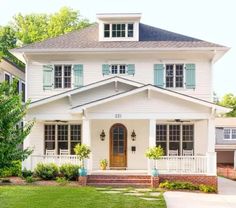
<point>119,180</point>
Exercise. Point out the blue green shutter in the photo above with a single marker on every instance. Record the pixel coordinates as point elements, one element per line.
<point>47,77</point>
<point>190,76</point>
<point>159,75</point>
<point>78,75</point>
<point>105,69</point>
<point>131,69</point>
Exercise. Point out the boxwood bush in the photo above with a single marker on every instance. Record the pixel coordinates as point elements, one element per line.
<point>47,171</point>
<point>69,171</point>
<point>13,170</point>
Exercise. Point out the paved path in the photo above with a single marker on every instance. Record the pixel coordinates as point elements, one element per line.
<point>225,199</point>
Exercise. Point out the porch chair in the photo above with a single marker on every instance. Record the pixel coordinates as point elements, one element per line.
<point>64,152</point>
<point>188,164</point>
<point>64,156</point>
<point>187,152</point>
<point>49,156</point>
<point>173,162</point>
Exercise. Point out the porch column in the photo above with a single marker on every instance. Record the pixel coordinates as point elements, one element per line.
<point>211,154</point>
<point>27,163</point>
<point>152,139</point>
<point>86,139</point>
<point>234,159</point>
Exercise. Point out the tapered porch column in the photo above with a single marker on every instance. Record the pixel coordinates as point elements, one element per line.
<point>234,159</point>
<point>86,139</point>
<point>211,154</point>
<point>152,139</point>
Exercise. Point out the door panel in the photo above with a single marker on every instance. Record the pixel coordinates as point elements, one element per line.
<point>118,146</point>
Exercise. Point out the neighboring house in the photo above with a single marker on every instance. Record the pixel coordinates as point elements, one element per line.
<point>10,71</point>
<point>226,141</point>
<point>120,86</point>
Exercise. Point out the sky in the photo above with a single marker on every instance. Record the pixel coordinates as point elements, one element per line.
<point>210,20</point>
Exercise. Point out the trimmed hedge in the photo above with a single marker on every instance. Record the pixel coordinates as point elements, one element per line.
<point>69,171</point>
<point>13,170</point>
<point>47,171</point>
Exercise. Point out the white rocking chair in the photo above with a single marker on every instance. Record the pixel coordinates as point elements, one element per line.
<point>187,152</point>
<point>64,152</point>
<point>50,152</point>
<point>49,156</point>
<point>173,152</point>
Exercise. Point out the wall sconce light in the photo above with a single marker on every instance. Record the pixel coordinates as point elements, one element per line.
<point>133,136</point>
<point>102,135</point>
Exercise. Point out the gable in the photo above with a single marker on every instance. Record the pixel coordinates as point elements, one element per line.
<point>151,103</point>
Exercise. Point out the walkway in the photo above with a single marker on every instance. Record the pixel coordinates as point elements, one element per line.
<point>225,199</point>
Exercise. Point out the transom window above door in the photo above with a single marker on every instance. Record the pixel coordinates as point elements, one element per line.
<point>119,30</point>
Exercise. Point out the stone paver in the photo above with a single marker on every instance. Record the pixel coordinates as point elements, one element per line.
<point>111,192</point>
<point>149,199</point>
<point>225,199</point>
<point>134,194</point>
<point>154,194</point>
<point>143,189</point>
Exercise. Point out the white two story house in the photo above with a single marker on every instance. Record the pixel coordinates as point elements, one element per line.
<point>121,86</point>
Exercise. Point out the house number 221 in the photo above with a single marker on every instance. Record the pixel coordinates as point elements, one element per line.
<point>118,115</point>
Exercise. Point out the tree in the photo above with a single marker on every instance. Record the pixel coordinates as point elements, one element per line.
<point>37,27</point>
<point>12,112</point>
<point>229,100</point>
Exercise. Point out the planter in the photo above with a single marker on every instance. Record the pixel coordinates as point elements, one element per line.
<point>154,172</point>
<point>82,172</point>
<point>103,167</point>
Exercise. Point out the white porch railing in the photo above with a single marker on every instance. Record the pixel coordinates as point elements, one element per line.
<point>181,165</point>
<point>33,160</point>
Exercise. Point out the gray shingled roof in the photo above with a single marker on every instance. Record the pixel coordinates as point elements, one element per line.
<point>149,37</point>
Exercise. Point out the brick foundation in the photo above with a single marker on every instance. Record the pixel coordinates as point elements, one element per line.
<point>195,179</point>
<point>83,180</point>
<point>154,181</point>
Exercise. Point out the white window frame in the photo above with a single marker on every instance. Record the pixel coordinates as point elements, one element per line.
<point>174,76</point>
<point>118,69</point>
<point>181,135</point>
<point>10,75</point>
<point>230,129</point>
<point>56,135</point>
<point>62,72</point>
<point>117,23</point>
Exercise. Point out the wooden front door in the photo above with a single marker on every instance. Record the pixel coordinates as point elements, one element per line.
<point>118,146</point>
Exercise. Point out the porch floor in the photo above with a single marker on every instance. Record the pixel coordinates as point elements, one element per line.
<point>119,172</point>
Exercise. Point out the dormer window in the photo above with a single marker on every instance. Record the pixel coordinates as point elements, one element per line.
<point>121,30</point>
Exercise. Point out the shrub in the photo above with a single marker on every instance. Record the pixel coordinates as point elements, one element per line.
<point>13,170</point>
<point>30,179</point>
<point>47,171</point>
<point>61,180</point>
<point>207,189</point>
<point>26,173</point>
<point>175,185</point>
<point>69,171</point>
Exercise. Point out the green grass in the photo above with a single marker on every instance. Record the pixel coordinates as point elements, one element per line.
<point>71,197</point>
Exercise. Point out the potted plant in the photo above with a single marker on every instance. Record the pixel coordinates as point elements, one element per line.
<point>154,153</point>
<point>103,164</point>
<point>82,151</point>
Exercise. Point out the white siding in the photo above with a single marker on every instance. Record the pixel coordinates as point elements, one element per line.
<point>143,69</point>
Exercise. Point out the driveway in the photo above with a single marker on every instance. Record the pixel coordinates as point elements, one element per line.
<point>226,198</point>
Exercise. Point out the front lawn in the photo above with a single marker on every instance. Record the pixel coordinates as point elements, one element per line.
<point>72,197</point>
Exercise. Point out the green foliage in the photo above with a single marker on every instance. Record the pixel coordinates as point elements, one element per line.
<point>7,38</point>
<point>26,173</point>
<point>30,179</point>
<point>62,180</point>
<point>47,171</point>
<point>176,185</point>
<point>69,171</point>
<point>229,100</point>
<point>104,162</point>
<point>154,153</point>
<point>13,170</point>
<point>33,27</point>
<point>207,189</point>
<point>82,151</point>
<point>12,111</point>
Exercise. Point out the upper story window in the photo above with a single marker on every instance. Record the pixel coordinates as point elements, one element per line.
<point>229,133</point>
<point>118,69</point>
<point>174,75</point>
<point>119,30</point>
<point>7,78</point>
<point>62,76</point>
